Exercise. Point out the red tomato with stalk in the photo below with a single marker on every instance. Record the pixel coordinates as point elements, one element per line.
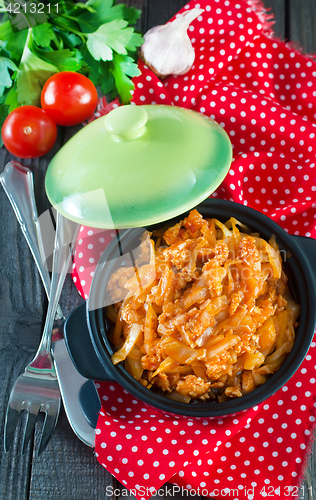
<point>28,132</point>
<point>69,98</point>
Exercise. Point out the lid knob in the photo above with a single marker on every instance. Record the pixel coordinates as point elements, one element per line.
<point>126,122</point>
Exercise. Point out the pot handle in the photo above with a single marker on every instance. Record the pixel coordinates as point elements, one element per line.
<point>308,246</point>
<point>80,347</point>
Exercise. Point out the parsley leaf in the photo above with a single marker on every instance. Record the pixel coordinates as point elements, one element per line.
<point>5,77</point>
<point>131,14</point>
<point>96,38</point>
<point>43,34</point>
<point>5,30</point>
<point>113,35</point>
<point>3,115</point>
<point>23,21</point>
<point>31,76</point>
<point>11,98</point>
<point>94,67</point>
<point>135,41</point>
<point>98,47</point>
<point>105,12</point>
<point>123,67</point>
<point>63,59</point>
<point>80,6</point>
<point>70,40</point>
<point>16,43</point>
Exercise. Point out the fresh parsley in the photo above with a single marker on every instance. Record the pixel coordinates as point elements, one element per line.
<point>96,38</point>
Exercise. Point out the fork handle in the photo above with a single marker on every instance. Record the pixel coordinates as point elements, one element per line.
<point>65,237</point>
<point>17,181</point>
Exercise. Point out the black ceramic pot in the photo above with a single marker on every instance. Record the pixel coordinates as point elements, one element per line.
<point>86,327</point>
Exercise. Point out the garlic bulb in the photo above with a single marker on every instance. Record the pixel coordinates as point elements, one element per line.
<point>167,49</point>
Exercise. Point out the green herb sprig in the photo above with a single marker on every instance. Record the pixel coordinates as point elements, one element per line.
<point>96,38</point>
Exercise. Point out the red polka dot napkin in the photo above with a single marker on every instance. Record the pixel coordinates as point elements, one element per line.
<point>263,93</point>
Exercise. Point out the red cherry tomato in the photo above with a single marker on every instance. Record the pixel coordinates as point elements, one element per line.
<point>69,98</point>
<point>28,132</point>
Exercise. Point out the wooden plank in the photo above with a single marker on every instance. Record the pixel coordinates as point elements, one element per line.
<point>142,5</point>
<point>64,447</point>
<point>278,9</point>
<point>15,469</point>
<point>21,313</point>
<point>302,21</point>
<point>301,33</point>
<point>160,12</point>
<point>68,469</point>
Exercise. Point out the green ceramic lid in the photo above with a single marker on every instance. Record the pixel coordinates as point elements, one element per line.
<point>138,165</point>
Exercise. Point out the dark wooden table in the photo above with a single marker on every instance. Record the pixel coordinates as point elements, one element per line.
<point>68,470</point>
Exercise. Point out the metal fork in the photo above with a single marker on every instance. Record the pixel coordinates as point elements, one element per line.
<point>37,390</point>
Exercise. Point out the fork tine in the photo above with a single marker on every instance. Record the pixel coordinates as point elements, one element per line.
<point>12,418</point>
<point>50,422</point>
<point>30,424</point>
